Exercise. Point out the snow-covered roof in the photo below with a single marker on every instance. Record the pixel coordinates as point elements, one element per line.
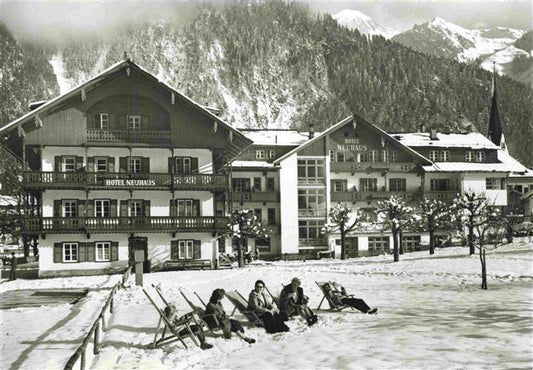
<point>254,164</point>
<point>276,137</point>
<point>506,164</point>
<point>471,140</point>
<point>527,174</point>
<point>6,201</point>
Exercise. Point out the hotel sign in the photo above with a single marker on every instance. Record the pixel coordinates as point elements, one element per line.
<point>351,145</point>
<point>129,182</point>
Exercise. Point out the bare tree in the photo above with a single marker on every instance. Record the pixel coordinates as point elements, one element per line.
<point>435,215</point>
<point>395,214</point>
<point>343,218</point>
<point>244,224</point>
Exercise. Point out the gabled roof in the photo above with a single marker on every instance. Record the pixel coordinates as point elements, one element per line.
<point>115,68</point>
<point>275,137</point>
<point>359,120</point>
<point>472,140</point>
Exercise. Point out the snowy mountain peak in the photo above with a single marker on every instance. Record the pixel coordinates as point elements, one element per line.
<point>354,19</point>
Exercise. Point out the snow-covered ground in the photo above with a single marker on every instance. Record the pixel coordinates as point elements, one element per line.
<point>432,314</point>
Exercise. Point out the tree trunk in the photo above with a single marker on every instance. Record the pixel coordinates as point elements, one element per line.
<point>35,245</point>
<point>400,241</point>
<point>395,243</point>
<point>240,255</point>
<point>343,238</point>
<point>26,245</point>
<point>483,259</point>
<point>471,240</point>
<point>431,242</point>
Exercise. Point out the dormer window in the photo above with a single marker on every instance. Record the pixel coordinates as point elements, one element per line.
<point>433,155</point>
<point>134,122</point>
<point>394,156</point>
<point>260,154</point>
<point>271,154</point>
<point>480,156</point>
<point>444,156</point>
<point>469,156</point>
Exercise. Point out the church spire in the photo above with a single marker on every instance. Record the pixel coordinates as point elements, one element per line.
<point>495,125</point>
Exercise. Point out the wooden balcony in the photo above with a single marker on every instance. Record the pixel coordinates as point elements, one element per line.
<point>60,225</point>
<point>355,196</point>
<point>128,136</point>
<point>123,181</point>
<point>353,167</point>
<point>445,195</point>
<point>256,196</point>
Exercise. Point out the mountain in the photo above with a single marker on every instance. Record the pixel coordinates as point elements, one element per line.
<point>277,65</point>
<point>354,19</point>
<point>484,47</point>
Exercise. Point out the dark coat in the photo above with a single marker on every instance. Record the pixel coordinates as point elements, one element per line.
<point>287,304</point>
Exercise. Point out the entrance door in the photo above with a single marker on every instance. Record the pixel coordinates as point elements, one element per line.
<point>139,244</point>
<point>352,247</point>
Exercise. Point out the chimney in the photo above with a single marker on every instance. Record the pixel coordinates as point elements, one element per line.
<point>36,104</point>
<point>433,134</point>
<point>422,128</point>
<point>311,130</point>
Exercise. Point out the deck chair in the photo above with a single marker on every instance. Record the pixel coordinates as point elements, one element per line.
<point>239,303</point>
<point>327,296</point>
<point>274,297</point>
<point>165,325</point>
<point>200,311</point>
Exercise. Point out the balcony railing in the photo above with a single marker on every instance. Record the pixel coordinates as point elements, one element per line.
<point>354,196</point>
<point>125,224</point>
<point>122,180</point>
<point>370,166</point>
<point>312,212</point>
<point>129,136</point>
<point>442,195</point>
<point>256,196</point>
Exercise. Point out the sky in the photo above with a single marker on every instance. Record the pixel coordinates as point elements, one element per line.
<point>55,21</point>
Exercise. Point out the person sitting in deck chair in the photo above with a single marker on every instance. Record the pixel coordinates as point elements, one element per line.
<point>292,301</point>
<point>170,313</point>
<point>266,309</point>
<point>340,297</point>
<point>214,309</point>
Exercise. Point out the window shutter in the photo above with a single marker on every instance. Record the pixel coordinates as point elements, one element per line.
<point>90,164</point>
<point>57,208</point>
<point>147,208</point>
<point>197,250</point>
<point>123,164</point>
<point>111,164</point>
<point>123,208</point>
<point>173,208</point>
<point>96,123</point>
<point>81,208</point>
<point>122,122</point>
<point>112,122</point>
<point>82,249</point>
<point>90,208</point>
<point>196,207</point>
<point>171,165</point>
<point>194,165</point>
<point>90,252</point>
<point>79,163</point>
<point>57,163</point>
<point>114,251</point>
<point>113,207</point>
<point>174,250</point>
<point>145,164</point>
<point>404,184</point>
<point>144,122</point>
<point>58,252</point>
<point>375,184</point>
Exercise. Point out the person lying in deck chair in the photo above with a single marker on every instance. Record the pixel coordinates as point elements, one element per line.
<point>263,305</point>
<point>339,296</point>
<point>292,301</point>
<point>170,313</point>
<point>214,309</point>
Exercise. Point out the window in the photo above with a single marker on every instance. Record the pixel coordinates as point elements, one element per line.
<point>271,216</point>
<point>378,244</point>
<point>134,122</point>
<point>363,157</point>
<point>101,207</point>
<point>332,156</point>
<point>309,231</point>
<point>444,156</point>
<point>480,156</point>
<point>260,154</point>
<point>263,244</point>
<point>373,156</point>
<point>70,208</point>
<point>311,202</point>
<point>185,207</point>
<point>368,184</point>
<point>185,249</point>
<point>240,185</point>
<point>271,154</point>
<point>69,164</point>
<point>70,252</point>
<point>270,186</point>
<point>397,184</point>
<point>469,156</point>
<point>311,170</point>
<point>494,183</point>
<point>385,156</point>
<point>341,157</point>
<point>394,156</point>
<point>339,185</point>
<point>440,185</point>
<point>135,164</point>
<point>258,213</point>
<point>103,251</point>
<point>183,165</point>
<point>257,184</point>
<point>433,155</point>
<point>104,121</point>
<point>411,242</point>
<point>101,164</point>
<point>136,208</point>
